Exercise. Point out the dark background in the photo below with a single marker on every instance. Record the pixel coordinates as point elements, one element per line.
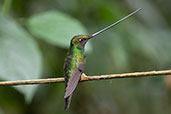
<point>35,36</point>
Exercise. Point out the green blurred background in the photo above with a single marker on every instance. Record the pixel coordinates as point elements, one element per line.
<point>35,36</point>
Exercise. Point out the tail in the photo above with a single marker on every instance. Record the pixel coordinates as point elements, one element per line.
<point>67,102</point>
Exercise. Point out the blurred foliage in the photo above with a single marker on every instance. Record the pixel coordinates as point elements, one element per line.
<point>35,35</point>
<point>19,55</point>
<point>57,24</point>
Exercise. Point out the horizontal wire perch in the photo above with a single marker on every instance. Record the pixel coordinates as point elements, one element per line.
<point>86,78</point>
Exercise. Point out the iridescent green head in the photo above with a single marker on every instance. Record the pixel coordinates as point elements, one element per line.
<point>81,40</point>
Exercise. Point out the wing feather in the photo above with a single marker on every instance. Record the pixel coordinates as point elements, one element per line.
<point>73,81</point>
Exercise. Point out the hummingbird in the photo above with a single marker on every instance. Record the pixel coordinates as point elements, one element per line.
<point>75,60</point>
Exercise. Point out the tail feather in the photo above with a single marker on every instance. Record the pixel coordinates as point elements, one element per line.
<point>67,102</point>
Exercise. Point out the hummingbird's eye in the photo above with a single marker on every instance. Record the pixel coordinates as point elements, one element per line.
<point>81,39</point>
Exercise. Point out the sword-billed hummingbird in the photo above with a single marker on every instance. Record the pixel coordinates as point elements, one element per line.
<point>75,60</point>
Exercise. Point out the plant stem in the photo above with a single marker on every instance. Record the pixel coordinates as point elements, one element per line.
<point>86,78</point>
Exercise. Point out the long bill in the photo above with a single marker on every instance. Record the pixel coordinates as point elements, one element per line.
<point>108,27</point>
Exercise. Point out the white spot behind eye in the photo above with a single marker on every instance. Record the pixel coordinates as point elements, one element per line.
<point>81,39</point>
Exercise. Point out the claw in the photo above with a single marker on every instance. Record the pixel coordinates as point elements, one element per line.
<point>83,77</point>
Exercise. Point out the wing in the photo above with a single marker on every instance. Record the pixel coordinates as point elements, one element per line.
<point>73,80</point>
<point>67,102</point>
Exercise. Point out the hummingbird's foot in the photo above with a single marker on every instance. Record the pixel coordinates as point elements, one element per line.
<point>83,77</point>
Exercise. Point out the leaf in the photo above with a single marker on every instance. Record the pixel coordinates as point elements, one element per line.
<point>20,58</point>
<point>55,27</point>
